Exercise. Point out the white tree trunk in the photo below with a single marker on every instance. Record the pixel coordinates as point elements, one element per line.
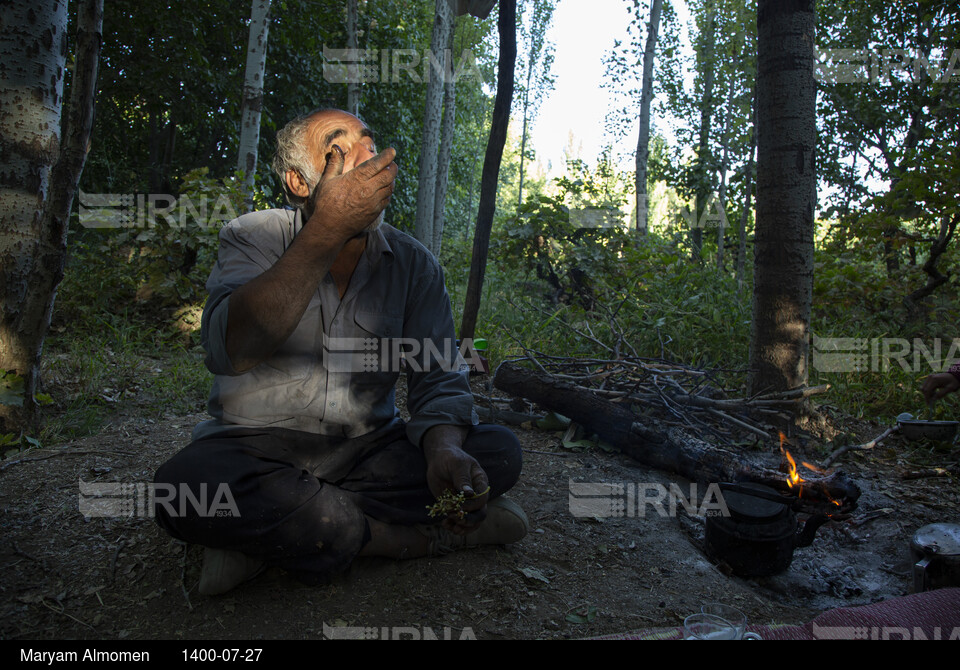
<point>646,95</point>
<point>253,95</point>
<point>426,194</point>
<point>745,213</point>
<point>41,171</point>
<point>446,149</point>
<point>724,165</point>
<point>353,86</point>
<point>706,64</point>
<point>30,107</point>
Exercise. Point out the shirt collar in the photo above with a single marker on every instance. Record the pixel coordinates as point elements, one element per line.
<point>377,244</point>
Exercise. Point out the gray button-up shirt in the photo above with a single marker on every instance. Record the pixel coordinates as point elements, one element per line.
<point>337,372</point>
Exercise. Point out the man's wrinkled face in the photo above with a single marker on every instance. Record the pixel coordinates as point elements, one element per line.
<point>352,135</point>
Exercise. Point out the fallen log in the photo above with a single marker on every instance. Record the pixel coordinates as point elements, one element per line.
<point>670,448</point>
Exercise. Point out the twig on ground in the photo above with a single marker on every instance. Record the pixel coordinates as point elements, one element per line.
<point>837,453</point>
<point>183,573</point>
<point>949,471</point>
<point>83,452</point>
<point>116,555</point>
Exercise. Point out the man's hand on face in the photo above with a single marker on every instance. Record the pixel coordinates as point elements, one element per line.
<point>345,204</point>
<point>449,467</point>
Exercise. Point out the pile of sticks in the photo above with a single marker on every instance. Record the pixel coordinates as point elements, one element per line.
<point>675,394</point>
<point>614,410</point>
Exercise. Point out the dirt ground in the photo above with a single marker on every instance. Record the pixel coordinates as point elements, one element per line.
<point>67,577</point>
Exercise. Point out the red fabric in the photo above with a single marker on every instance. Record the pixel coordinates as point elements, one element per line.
<point>922,616</point>
<point>934,615</point>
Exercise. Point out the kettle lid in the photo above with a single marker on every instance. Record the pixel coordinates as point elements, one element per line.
<point>940,539</point>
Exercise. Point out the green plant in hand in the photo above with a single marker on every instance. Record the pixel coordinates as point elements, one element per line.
<point>451,504</point>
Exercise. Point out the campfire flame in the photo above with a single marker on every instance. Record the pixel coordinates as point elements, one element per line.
<point>794,480</point>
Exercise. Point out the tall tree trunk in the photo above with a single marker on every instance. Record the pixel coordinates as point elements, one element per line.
<point>786,195</point>
<point>353,85</point>
<point>533,21</point>
<point>523,136</point>
<point>646,96</point>
<point>433,107</point>
<point>707,65</point>
<point>252,101</point>
<point>41,174</point>
<point>446,149</point>
<point>747,198</point>
<point>507,27</point>
<point>724,165</point>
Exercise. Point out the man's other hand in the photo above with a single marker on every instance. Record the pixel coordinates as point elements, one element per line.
<point>449,467</point>
<point>936,386</point>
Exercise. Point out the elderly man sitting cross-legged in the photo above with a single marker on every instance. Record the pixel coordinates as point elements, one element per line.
<point>308,311</point>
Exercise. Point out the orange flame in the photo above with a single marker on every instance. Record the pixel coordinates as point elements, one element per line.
<point>793,475</point>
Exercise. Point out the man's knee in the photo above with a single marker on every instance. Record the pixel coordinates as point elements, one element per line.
<point>498,451</point>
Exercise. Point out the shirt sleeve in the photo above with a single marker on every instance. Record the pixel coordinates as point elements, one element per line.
<point>239,259</point>
<point>438,384</point>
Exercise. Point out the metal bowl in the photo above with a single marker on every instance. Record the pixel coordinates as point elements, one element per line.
<point>941,431</point>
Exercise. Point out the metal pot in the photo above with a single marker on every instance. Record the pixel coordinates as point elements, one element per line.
<point>936,552</point>
<point>916,429</point>
<point>758,537</point>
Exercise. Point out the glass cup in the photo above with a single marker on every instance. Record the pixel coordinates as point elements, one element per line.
<point>708,627</point>
<point>732,615</point>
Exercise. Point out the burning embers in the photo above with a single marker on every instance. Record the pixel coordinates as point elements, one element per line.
<point>795,481</point>
<point>757,539</point>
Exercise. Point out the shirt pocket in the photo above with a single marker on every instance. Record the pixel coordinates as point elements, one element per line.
<point>382,333</point>
<point>274,390</point>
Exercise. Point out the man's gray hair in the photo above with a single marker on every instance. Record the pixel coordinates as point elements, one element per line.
<point>293,153</point>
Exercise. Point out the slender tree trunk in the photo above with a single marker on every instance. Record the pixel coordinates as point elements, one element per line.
<point>747,200</point>
<point>706,67</point>
<point>446,149</point>
<point>646,96</point>
<point>523,136</point>
<point>786,195</point>
<point>538,53</point>
<point>433,107</point>
<point>724,165</point>
<point>467,229</point>
<point>252,101</point>
<point>41,173</point>
<point>507,27</point>
<point>353,86</point>
<point>935,278</point>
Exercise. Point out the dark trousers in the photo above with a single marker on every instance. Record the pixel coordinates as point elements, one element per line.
<point>300,500</point>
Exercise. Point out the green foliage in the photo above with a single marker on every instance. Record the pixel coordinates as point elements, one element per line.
<point>11,388</point>
<point>160,263</point>
<point>888,143</point>
<point>564,290</point>
<point>854,296</point>
<point>118,366</point>
<point>11,443</point>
